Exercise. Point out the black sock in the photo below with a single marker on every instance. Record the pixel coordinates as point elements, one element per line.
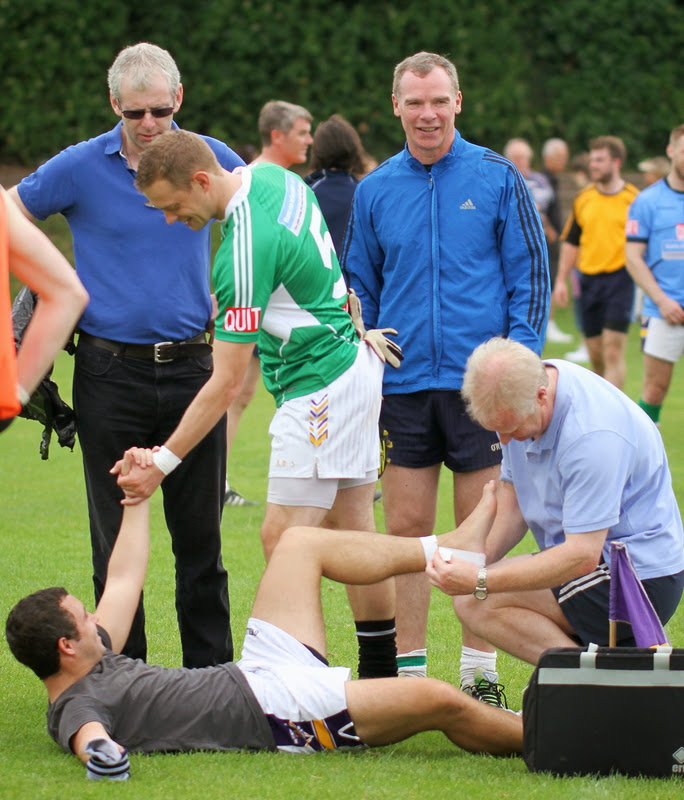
<point>377,648</point>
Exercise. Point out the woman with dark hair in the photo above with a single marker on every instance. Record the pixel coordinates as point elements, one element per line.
<point>337,157</point>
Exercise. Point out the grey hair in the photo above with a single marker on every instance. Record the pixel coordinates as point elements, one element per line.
<point>278,115</point>
<point>512,143</point>
<point>502,375</point>
<point>552,146</point>
<point>422,64</point>
<point>141,63</point>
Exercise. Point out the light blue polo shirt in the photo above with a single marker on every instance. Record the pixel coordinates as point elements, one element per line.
<point>148,281</point>
<point>601,463</point>
<point>656,217</point>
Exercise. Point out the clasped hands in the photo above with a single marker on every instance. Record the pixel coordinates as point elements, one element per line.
<point>137,474</point>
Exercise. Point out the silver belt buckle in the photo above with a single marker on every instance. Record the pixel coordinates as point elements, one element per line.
<point>157,355</point>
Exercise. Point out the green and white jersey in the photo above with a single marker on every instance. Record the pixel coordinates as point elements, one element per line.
<point>278,282</point>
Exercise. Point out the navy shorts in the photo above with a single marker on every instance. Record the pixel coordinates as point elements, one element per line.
<point>606,300</point>
<point>433,427</point>
<point>586,600</point>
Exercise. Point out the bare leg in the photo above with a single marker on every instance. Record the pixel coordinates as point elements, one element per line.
<point>372,605</point>
<point>409,497</point>
<point>289,592</point>
<point>523,624</point>
<point>353,510</point>
<point>280,518</point>
<point>595,350</point>
<point>615,368</point>
<point>471,533</point>
<point>390,710</point>
<point>657,377</point>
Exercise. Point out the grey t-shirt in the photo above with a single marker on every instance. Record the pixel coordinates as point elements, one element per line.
<point>149,708</point>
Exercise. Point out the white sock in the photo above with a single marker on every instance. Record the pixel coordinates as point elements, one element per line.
<point>412,664</point>
<point>470,659</point>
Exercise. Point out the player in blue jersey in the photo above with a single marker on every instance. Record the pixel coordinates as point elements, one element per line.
<point>655,260</point>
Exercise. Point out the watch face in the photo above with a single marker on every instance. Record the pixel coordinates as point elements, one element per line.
<point>480,594</point>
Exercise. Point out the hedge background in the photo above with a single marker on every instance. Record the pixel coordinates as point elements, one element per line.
<point>528,68</point>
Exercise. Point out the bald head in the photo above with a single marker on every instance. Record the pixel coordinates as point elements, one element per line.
<point>502,377</point>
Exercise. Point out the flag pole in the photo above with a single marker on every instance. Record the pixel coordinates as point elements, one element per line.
<point>612,633</point>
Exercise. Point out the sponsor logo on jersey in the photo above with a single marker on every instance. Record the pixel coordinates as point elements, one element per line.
<point>293,211</point>
<point>242,320</point>
<point>673,249</point>
<point>679,227</point>
<point>678,756</point>
<point>468,205</point>
<point>632,227</point>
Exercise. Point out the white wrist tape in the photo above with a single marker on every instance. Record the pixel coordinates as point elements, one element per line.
<point>165,460</point>
<point>430,547</point>
<point>22,395</point>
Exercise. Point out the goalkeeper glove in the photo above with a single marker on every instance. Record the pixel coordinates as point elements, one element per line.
<point>386,350</point>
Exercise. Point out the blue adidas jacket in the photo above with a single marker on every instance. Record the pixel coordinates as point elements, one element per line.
<point>450,257</point>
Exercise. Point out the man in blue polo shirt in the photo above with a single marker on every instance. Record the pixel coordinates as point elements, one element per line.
<point>582,466</point>
<point>142,353</point>
<point>655,260</point>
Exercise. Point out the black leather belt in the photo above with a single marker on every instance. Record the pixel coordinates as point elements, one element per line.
<point>160,353</point>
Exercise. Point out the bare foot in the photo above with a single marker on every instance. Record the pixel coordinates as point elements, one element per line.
<point>471,534</point>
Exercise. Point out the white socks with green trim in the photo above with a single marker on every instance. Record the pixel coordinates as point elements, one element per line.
<point>412,664</point>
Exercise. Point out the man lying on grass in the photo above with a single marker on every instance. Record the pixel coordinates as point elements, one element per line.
<point>281,695</point>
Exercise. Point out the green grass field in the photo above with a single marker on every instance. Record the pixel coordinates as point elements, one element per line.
<point>45,542</point>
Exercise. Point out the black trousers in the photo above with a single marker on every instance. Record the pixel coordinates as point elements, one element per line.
<point>124,402</point>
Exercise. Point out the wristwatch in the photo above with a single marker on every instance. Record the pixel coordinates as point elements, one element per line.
<point>481,585</point>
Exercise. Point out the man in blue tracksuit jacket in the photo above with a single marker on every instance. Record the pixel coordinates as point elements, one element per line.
<point>445,244</point>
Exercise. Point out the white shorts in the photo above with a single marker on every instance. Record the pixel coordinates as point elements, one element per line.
<point>303,698</point>
<point>664,341</point>
<point>332,434</point>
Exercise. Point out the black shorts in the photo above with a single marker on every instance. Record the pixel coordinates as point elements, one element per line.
<point>586,600</point>
<point>433,427</point>
<point>606,300</point>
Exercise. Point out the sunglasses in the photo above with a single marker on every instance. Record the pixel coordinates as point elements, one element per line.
<point>139,113</point>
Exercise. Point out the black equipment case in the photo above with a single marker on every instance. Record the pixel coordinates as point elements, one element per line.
<point>602,710</point>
